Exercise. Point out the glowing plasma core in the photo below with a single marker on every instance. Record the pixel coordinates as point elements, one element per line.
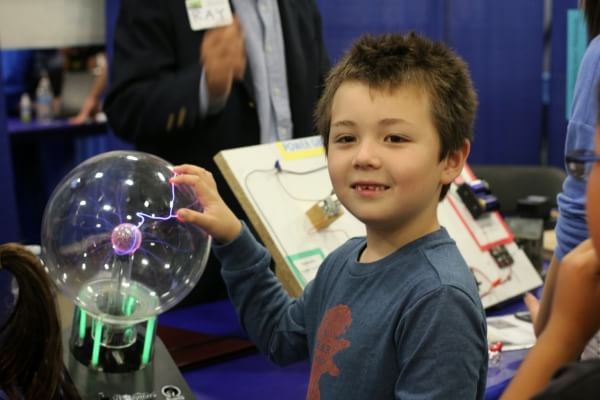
<point>126,239</point>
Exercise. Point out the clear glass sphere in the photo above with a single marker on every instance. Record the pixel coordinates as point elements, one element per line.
<point>112,243</point>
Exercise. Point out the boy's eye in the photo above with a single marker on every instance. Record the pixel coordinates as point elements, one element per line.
<point>344,139</point>
<point>395,139</point>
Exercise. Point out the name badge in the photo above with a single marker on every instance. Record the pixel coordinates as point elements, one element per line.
<point>207,14</point>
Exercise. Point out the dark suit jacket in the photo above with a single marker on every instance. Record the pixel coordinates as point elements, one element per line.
<point>153,99</point>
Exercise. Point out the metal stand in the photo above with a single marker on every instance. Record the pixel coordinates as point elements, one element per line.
<point>160,379</point>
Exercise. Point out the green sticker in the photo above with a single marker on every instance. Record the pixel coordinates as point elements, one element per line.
<point>299,262</point>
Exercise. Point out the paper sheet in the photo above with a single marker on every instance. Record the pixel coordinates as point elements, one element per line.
<point>512,332</point>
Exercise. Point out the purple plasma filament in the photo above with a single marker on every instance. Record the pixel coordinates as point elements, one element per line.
<point>126,239</point>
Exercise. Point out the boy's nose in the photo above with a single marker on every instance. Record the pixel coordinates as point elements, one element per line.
<point>366,156</point>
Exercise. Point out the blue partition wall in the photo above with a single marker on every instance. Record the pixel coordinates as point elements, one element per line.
<point>112,12</point>
<point>9,228</point>
<point>345,20</point>
<point>501,42</point>
<point>557,121</point>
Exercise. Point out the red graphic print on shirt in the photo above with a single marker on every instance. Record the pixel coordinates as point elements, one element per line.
<point>329,342</point>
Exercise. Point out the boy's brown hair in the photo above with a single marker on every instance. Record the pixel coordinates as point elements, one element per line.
<point>389,61</point>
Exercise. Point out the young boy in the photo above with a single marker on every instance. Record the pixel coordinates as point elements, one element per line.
<point>575,310</point>
<point>395,314</point>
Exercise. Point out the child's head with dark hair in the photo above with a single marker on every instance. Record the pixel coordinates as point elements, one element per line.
<point>396,119</point>
<point>388,62</point>
<point>31,363</point>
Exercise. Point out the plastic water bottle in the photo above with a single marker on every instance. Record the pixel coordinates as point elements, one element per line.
<point>25,108</point>
<point>43,97</point>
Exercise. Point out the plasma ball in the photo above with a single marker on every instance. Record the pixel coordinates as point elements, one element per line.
<point>126,239</point>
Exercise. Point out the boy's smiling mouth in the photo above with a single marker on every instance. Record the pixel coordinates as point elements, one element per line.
<point>369,187</point>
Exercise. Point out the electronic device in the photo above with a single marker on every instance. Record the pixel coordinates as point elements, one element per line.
<point>113,245</point>
<point>501,256</point>
<point>325,212</point>
<point>477,197</point>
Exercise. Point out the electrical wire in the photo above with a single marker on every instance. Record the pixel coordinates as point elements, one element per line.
<point>493,283</point>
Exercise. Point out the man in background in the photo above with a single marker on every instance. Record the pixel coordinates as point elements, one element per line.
<point>185,86</point>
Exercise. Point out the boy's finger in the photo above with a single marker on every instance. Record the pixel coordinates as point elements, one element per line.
<point>195,181</point>
<point>190,169</point>
<point>191,216</point>
<point>203,191</point>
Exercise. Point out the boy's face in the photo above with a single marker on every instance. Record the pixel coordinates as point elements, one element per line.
<point>383,156</point>
<point>593,198</point>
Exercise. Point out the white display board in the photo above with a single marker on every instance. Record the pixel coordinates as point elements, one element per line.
<point>51,23</point>
<point>277,183</point>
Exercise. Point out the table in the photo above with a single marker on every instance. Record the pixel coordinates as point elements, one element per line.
<point>248,376</point>
<point>499,376</point>
<point>56,127</point>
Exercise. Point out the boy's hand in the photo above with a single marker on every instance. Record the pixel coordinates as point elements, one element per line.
<point>217,218</point>
<point>575,312</point>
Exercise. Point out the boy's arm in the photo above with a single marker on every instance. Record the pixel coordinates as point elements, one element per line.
<point>271,318</point>
<point>574,318</point>
<point>442,348</point>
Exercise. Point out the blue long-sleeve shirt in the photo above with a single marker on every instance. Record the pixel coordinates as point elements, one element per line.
<point>409,326</point>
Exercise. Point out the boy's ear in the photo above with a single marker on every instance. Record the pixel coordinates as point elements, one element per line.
<point>454,163</point>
